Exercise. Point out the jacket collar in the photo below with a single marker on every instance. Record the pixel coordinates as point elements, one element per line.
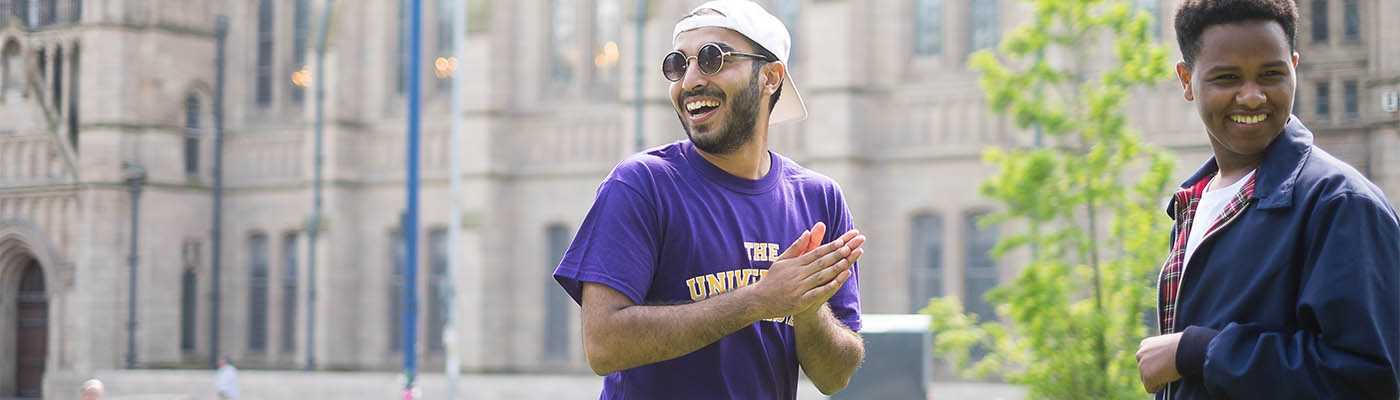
<point>1274,180</point>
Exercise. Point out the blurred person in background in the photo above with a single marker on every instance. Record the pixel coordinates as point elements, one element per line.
<point>92,389</point>
<point>1283,280</point>
<point>226,379</point>
<point>667,263</point>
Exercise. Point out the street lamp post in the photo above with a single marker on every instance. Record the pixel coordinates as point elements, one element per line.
<point>135,176</point>
<point>410,219</point>
<point>216,232</point>
<point>314,223</point>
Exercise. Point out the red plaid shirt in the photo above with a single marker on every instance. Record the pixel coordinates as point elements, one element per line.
<point>1184,211</point>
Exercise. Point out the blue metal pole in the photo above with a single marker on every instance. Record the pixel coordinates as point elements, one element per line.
<point>410,229</point>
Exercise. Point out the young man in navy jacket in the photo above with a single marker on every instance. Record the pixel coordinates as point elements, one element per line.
<point>1282,281</point>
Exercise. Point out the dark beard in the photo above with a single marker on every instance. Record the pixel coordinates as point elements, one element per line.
<point>738,127</point>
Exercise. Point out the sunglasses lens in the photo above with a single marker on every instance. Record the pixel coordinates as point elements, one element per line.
<point>673,66</point>
<point>710,59</point>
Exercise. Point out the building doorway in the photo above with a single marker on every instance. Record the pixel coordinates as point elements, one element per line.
<point>31,336</point>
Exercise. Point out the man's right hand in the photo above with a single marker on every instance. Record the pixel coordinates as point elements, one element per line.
<point>806,274</point>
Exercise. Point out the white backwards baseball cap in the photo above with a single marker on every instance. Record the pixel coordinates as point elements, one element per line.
<point>755,23</point>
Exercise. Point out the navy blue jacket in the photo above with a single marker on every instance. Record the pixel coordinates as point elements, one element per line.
<point>1297,298</point>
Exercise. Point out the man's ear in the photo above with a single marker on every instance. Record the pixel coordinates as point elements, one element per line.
<point>773,75</point>
<point>1295,61</point>
<point>1183,73</point>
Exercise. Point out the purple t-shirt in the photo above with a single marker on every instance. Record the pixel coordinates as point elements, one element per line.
<point>668,227</point>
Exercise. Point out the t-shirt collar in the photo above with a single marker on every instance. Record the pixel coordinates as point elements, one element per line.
<point>724,178</point>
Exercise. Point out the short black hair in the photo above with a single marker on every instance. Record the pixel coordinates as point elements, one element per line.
<point>1194,16</point>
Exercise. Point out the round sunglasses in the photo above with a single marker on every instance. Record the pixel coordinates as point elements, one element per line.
<point>710,59</point>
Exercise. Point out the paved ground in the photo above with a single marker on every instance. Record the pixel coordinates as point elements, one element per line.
<point>296,385</point>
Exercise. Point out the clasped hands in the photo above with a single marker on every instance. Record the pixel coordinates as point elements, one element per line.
<point>808,273</point>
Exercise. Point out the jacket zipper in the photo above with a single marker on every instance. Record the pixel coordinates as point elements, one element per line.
<point>1187,262</point>
<point>1180,281</point>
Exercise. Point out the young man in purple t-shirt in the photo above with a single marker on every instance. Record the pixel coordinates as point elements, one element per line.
<point>685,290</point>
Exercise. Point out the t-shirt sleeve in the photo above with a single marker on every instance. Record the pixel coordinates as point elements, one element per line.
<point>845,304</point>
<point>616,244</point>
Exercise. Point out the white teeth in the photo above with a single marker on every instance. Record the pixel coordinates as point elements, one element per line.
<point>1249,119</point>
<point>692,106</point>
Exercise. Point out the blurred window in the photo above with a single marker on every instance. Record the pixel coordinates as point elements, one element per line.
<point>10,73</point>
<point>300,34</point>
<point>1351,13</point>
<point>257,294</point>
<point>395,303</point>
<point>607,44</point>
<point>1350,99</point>
<point>57,96</point>
<point>48,12</point>
<point>928,27</point>
<point>187,309</point>
<point>984,25</point>
<point>925,260</point>
<point>400,46</point>
<point>1323,101</point>
<point>189,299</point>
<point>20,10</point>
<point>289,292</point>
<point>73,101</point>
<point>981,271</point>
<point>262,91</point>
<point>444,71</point>
<point>558,303</point>
<point>437,312</point>
<point>1319,20</point>
<point>563,49</point>
<point>192,133</point>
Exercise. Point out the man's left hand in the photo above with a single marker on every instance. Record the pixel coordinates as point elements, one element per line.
<point>1156,358</point>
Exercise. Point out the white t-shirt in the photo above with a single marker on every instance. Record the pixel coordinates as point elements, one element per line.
<point>1212,204</point>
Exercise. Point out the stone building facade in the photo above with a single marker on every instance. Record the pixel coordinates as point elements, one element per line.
<point>92,87</point>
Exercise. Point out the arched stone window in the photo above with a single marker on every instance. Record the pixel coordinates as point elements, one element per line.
<point>10,71</point>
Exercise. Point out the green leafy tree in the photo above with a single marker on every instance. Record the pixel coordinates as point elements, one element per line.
<point>1086,205</point>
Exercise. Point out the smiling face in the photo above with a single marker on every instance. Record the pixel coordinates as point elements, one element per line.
<point>1242,83</point>
<point>719,112</point>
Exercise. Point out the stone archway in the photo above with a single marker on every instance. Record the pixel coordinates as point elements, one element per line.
<point>31,331</point>
<point>29,308</point>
